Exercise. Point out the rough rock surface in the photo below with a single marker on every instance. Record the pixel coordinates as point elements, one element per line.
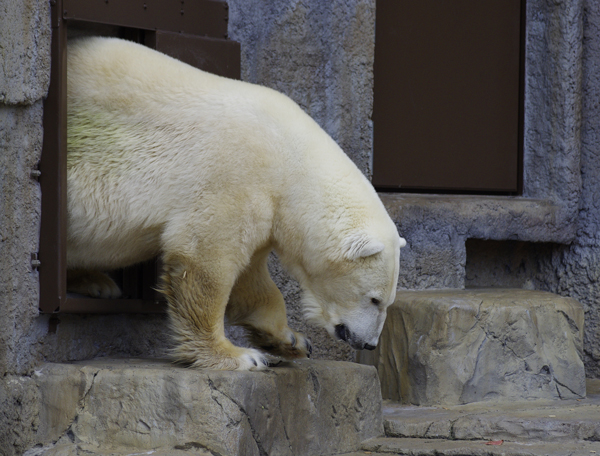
<point>442,447</point>
<point>462,346</point>
<point>522,428</point>
<point>302,408</point>
<point>516,421</point>
<point>437,228</point>
<point>24,50</point>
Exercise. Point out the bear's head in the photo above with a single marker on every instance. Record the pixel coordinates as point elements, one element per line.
<point>349,297</point>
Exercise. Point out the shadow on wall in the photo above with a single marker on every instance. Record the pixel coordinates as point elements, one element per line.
<point>510,264</point>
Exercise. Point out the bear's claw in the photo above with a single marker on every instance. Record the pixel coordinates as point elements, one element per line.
<point>308,348</point>
<point>293,346</point>
<point>252,360</point>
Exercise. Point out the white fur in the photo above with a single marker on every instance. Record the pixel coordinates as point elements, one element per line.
<point>164,158</point>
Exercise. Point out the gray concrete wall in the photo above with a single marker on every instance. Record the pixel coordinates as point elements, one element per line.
<point>318,53</point>
<point>24,77</point>
<point>577,266</point>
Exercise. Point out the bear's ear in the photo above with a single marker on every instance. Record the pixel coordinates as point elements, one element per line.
<point>360,246</point>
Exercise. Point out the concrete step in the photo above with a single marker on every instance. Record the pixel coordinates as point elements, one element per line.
<point>72,449</point>
<point>443,447</point>
<point>525,428</point>
<point>519,421</point>
<point>373,447</point>
<point>115,407</point>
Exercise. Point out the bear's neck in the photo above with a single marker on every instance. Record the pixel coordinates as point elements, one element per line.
<point>324,198</point>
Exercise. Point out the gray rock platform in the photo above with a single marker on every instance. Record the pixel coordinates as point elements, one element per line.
<point>519,421</point>
<point>153,407</point>
<point>429,447</point>
<point>454,347</point>
<point>142,407</point>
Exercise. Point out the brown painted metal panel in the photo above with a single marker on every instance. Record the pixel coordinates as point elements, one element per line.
<point>221,57</point>
<point>447,95</point>
<point>53,178</point>
<point>198,17</point>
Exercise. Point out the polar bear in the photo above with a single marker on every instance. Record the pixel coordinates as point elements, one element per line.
<point>213,174</point>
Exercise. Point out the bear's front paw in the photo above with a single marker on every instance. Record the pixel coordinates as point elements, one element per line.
<point>298,347</point>
<point>224,356</point>
<point>252,360</point>
<point>291,345</point>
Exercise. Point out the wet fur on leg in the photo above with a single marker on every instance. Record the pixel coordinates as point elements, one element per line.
<point>196,318</point>
<point>257,305</point>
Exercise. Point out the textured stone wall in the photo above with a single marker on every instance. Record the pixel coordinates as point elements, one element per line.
<point>553,78</point>
<point>24,51</point>
<point>577,267</point>
<point>24,78</point>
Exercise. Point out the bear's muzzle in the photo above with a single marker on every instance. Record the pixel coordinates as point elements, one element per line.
<point>343,333</point>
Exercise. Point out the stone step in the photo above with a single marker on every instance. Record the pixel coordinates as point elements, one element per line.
<point>519,421</point>
<point>153,407</point>
<point>373,447</point>
<point>451,347</point>
<point>72,449</point>
<point>442,447</point>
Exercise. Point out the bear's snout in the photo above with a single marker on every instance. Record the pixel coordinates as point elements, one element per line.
<point>343,333</point>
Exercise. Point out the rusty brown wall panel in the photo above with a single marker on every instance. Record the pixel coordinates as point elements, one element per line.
<point>53,179</point>
<point>222,57</point>
<point>197,17</point>
<point>447,95</point>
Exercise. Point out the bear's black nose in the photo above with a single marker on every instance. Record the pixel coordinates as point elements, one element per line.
<point>342,332</point>
<point>370,347</point>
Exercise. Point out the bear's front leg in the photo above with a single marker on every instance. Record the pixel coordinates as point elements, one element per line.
<point>197,297</point>
<point>257,304</point>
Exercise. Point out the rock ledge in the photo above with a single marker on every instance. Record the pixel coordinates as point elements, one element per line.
<point>449,347</point>
<point>301,408</point>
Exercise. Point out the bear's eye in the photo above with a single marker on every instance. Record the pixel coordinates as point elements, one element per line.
<point>375,301</point>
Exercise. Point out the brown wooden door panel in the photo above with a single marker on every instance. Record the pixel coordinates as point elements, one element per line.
<point>447,95</point>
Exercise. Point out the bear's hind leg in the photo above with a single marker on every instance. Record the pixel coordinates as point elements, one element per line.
<point>257,304</point>
<point>197,299</point>
<point>92,283</point>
